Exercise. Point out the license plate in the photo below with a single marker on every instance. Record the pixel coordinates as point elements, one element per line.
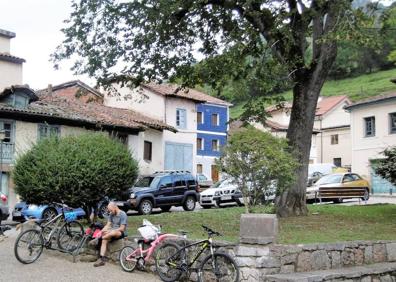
<point>226,197</point>
<point>120,204</point>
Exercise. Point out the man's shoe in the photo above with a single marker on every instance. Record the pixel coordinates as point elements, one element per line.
<point>99,263</point>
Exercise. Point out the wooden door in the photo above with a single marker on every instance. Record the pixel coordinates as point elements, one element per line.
<point>215,174</point>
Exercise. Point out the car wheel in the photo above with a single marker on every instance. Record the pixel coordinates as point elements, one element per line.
<point>189,204</point>
<point>49,213</point>
<point>103,212</point>
<point>166,208</point>
<point>366,196</point>
<point>145,207</point>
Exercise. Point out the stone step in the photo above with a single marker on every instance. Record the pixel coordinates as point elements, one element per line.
<point>386,271</point>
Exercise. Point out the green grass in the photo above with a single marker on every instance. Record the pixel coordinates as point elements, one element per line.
<point>325,223</point>
<point>356,88</point>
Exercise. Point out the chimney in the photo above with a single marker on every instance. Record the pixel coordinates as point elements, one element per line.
<point>49,90</point>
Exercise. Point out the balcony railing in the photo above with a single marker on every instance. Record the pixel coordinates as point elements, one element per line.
<point>7,151</point>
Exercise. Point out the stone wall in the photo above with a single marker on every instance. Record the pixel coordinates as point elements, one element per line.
<point>257,261</point>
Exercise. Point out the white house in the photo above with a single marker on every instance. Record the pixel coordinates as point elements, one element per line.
<point>373,128</point>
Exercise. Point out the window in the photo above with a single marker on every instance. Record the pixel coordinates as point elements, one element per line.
<point>369,123</point>
<point>7,127</point>
<point>215,145</point>
<point>200,144</point>
<point>337,162</point>
<point>147,152</point>
<point>215,119</point>
<point>166,181</point>
<point>199,168</point>
<point>334,139</point>
<point>179,181</point>
<point>348,178</point>
<point>48,130</point>
<point>200,118</point>
<point>392,126</point>
<point>356,177</point>
<point>181,118</point>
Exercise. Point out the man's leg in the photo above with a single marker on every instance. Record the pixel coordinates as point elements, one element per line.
<point>105,241</point>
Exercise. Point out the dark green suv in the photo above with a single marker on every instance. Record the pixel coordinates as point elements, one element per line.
<point>162,189</point>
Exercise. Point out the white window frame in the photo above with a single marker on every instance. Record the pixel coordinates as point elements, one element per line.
<point>202,143</point>
<point>217,119</point>
<point>181,118</point>
<point>202,118</point>
<point>217,145</point>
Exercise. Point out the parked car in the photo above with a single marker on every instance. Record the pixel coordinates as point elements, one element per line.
<point>222,192</point>
<point>22,211</point>
<point>4,211</point>
<point>162,189</point>
<point>267,197</point>
<point>203,181</point>
<point>338,180</point>
<point>313,177</point>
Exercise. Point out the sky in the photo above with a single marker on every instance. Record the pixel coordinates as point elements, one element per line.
<point>37,25</point>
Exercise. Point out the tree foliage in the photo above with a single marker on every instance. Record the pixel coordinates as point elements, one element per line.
<point>78,170</point>
<point>260,164</point>
<point>386,168</point>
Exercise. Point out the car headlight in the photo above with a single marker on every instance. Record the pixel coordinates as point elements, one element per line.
<point>217,193</point>
<point>133,196</point>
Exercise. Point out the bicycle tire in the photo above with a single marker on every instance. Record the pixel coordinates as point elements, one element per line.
<point>127,265</point>
<point>70,235</point>
<point>29,236</point>
<point>163,252</point>
<point>221,272</point>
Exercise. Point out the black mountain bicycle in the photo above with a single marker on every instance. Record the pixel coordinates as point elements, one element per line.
<point>172,262</point>
<point>63,228</point>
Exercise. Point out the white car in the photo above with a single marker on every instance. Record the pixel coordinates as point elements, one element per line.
<point>221,192</point>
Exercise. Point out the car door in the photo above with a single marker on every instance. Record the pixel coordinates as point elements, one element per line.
<point>180,187</point>
<point>165,191</point>
<point>348,181</point>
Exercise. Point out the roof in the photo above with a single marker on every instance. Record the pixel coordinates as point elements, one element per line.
<point>280,127</point>
<point>6,33</point>
<point>174,90</point>
<point>22,88</point>
<point>325,105</point>
<point>71,83</point>
<point>9,58</point>
<point>372,100</point>
<point>94,114</point>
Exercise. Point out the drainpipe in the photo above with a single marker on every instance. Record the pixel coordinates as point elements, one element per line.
<point>321,141</point>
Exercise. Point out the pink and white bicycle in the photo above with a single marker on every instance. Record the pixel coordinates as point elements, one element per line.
<point>131,257</point>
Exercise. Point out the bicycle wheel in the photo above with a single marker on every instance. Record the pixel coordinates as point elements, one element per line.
<point>222,267</point>
<point>70,236</point>
<point>29,246</point>
<point>128,258</point>
<point>168,260</point>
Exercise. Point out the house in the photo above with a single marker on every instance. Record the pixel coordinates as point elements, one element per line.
<point>331,135</point>
<point>176,107</point>
<point>27,117</point>
<point>373,129</point>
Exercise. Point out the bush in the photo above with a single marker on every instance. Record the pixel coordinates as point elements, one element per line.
<point>386,168</point>
<point>79,170</point>
<point>258,163</point>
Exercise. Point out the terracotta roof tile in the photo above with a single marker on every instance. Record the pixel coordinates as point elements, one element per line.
<point>174,90</point>
<point>378,98</point>
<point>10,58</point>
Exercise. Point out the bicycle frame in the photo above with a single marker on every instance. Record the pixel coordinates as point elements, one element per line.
<point>146,254</point>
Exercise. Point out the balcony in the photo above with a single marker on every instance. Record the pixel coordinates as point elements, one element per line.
<point>7,152</point>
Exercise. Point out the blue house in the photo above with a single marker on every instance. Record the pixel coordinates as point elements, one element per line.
<point>212,128</point>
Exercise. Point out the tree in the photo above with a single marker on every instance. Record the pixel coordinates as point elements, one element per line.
<point>78,170</point>
<point>145,40</point>
<point>258,163</point>
<point>386,168</point>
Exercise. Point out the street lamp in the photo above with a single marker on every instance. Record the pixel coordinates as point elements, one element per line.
<point>2,137</point>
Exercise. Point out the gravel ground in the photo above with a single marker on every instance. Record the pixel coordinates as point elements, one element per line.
<point>53,266</point>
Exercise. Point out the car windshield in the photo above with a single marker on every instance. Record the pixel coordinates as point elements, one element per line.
<point>148,181</point>
<point>328,179</point>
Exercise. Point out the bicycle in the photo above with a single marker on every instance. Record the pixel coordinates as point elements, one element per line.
<point>131,257</point>
<point>63,228</point>
<point>217,266</point>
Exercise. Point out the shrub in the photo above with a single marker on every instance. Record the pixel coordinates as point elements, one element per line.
<point>78,170</point>
<point>258,163</point>
<point>386,168</point>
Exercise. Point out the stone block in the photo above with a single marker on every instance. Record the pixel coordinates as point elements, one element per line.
<point>391,251</point>
<point>288,259</point>
<point>114,248</point>
<point>379,252</point>
<point>368,255</point>
<point>267,262</point>
<point>310,247</point>
<point>386,278</point>
<point>287,268</point>
<point>249,274</point>
<point>334,247</point>
<point>348,257</point>
<point>255,251</point>
<point>336,259</point>
<point>258,228</point>
<point>359,256</point>
<point>320,260</point>
<point>366,279</point>
<point>304,262</point>
<point>245,261</point>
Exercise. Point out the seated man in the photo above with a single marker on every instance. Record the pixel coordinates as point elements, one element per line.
<point>113,230</point>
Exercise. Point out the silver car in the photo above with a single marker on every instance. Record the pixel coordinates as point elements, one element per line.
<point>4,211</point>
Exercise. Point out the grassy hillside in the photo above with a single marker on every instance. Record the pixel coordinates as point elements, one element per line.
<point>356,88</point>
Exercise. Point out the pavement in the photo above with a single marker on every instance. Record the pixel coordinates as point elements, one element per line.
<point>54,266</point>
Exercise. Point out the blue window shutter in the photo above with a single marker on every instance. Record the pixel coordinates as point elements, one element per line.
<point>169,153</point>
<point>188,157</point>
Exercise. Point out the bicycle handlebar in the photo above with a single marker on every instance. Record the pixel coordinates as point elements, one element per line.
<point>211,232</point>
